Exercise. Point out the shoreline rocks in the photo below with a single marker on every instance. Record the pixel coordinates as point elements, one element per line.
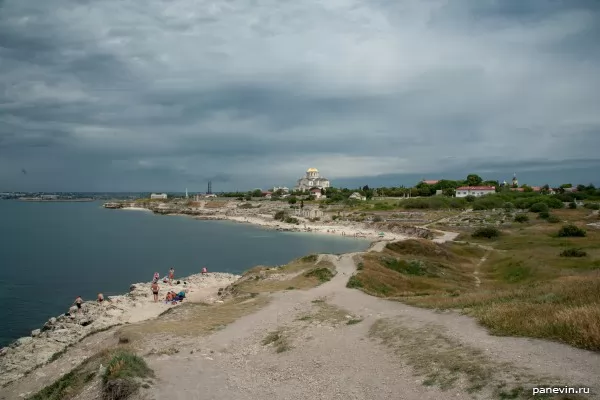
<point>58,333</point>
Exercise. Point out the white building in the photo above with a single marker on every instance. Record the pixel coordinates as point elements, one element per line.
<point>476,191</point>
<point>156,196</point>
<point>282,188</point>
<point>312,180</point>
<point>357,196</point>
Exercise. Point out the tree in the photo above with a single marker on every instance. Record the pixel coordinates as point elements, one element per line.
<point>301,203</point>
<point>365,188</point>
<point>257,193</point>
<point>566,185</point>
<point>292,200</point>
<point>322,192</point>
<point>450,192</point>
<point>527,188</point>
<point>474,180</point>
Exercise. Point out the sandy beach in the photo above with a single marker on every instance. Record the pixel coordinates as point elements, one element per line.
<point>348,230</point>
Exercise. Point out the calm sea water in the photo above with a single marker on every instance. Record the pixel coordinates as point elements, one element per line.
<point>52,252</point>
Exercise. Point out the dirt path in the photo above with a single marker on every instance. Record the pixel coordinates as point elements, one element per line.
<point>325,357</point>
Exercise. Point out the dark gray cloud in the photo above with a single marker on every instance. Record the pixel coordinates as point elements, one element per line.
<point>156,95</point>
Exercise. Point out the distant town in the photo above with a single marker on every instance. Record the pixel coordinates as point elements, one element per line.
<point>313,186</point>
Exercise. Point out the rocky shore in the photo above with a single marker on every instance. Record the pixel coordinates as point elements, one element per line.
<point>262,214</point>
<point>58,333</point>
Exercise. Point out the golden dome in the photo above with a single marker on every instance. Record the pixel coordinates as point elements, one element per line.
<point>312,170</point>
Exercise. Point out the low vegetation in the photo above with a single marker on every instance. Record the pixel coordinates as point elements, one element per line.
<point>571,231</point>
<point>533,282</point>
<point>278,340</point>
<point>447,363</point>
<point>487,232</point>
<point>521,218</point>
<point>573,252</point>
<point>120,379</point>
<point>123,375</point>
<point>323,274</point>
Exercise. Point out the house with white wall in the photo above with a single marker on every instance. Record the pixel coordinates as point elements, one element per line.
<point>476,191</point>
<point>156,196</point>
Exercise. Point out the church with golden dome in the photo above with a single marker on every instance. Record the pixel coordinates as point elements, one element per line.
<point>312,180</point>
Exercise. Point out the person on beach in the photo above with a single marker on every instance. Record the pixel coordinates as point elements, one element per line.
<point>171,275</point>
<point>100,298</point>
<point>204,270</point>
<point>78,302</point>
<point>154,288</point>
<point>156,277</point>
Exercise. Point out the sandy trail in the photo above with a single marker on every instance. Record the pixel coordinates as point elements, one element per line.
<point>327,362</point>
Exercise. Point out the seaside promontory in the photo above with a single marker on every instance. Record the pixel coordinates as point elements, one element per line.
<point>58,333</point>
<point>460,303</point>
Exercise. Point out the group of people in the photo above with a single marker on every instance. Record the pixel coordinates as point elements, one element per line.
<point>79,301</point>
<point>171,295</point>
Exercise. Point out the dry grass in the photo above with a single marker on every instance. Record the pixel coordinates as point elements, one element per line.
<point>215,204</point>
<point>324,312</point>
<point>418,268</point>
<point>279,340</point>
<point>447,363</point>
<point>195,319</point>
<point>526,287</point>
<point>74,382</point>
<point>304,273</point>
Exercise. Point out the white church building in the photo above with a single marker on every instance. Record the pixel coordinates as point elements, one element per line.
<point>312,180</point>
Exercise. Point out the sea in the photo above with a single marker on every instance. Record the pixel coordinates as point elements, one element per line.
<point>52,252</point>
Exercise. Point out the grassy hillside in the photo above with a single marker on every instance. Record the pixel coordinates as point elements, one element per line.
<point>532,282</point>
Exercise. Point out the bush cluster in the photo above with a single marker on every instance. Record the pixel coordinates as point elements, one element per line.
<point>488,232</point>
<point>571,231</point>
<point>553,219</point>
<point>521,218</point>
<point>573,253</point>
<point>539,207</point>
<point>544,215</point>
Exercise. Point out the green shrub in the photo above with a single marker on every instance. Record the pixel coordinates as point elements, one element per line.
<point>544,215</point>
<point>470,198</point>
<point>377,218</point>
<point>488,232</point>
<point>571,231</point>
<point>553,219</point>
<point>573,252</point>
<point>121,378</point>
<point>508,206</point>
<point>354,282</point>
<point>538,207</point>
<point>592,206</point>
<point>322,274</point>
<point>521,218</point>
<point>572,205</point>
<point>279,215</point>
<point>488,203</point>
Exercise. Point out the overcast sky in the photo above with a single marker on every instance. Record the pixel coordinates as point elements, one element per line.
<point>167,94</point>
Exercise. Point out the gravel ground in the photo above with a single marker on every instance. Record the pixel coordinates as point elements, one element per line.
<point>330,359</point>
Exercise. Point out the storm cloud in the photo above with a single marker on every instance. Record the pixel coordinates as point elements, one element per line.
<point>162,95</point>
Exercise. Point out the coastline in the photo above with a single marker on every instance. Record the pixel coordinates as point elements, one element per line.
<point>59,333</point>
<point>55,336</point>
<point>373,232</point>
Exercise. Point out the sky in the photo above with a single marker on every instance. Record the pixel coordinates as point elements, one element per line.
<point>160,95</point>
